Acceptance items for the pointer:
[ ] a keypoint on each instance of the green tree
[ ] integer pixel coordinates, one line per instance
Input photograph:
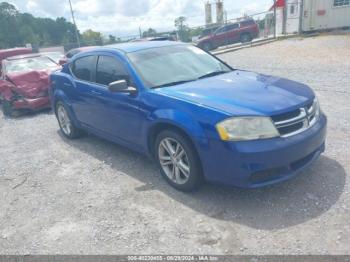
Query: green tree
(149, 33)
(9, 17)
(182, 28)
(91, 37)
(112, 39)
(17, 29)
(28, 36)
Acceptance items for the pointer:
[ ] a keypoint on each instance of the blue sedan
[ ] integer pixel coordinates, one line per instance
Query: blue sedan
(200, 119)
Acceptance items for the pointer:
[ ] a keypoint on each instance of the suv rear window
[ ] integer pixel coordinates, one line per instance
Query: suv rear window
(248, 22)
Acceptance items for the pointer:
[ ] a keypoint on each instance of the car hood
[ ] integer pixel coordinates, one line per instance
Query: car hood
(243, 93)
(30, 84)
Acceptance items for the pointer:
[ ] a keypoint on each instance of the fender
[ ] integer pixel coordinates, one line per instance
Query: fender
(58, 94)
(180, 120)
(5, 90)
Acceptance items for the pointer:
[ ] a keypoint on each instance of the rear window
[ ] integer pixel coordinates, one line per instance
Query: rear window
(84, 67)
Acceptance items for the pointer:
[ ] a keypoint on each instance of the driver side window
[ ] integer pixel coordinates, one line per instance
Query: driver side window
(109, 70)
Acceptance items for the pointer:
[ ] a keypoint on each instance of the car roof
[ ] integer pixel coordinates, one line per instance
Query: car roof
(17, 57)
(139, 46)
(4, 53)
(51, 52)
(83, 48)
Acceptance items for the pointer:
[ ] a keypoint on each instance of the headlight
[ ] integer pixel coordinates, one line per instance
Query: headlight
(316, 105)
(246, 128)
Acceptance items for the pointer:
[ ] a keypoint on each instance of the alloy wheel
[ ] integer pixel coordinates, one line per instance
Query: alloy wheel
(64, 120)
(174, 160)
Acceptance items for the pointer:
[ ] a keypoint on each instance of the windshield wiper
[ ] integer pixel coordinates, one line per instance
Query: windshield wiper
(215, 73)
(174, 83)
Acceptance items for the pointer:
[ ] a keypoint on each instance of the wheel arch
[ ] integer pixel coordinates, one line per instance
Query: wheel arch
(158, 127)
(161, 126)
(60, 96)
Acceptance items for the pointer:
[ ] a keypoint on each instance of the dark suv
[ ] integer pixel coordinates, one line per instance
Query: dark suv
(244, 31)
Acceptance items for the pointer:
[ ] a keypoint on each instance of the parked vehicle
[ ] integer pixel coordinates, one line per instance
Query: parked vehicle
(73, 52)
(5, 53)
(24, 82)
(156, 38)
(198, 117)
(244, 31)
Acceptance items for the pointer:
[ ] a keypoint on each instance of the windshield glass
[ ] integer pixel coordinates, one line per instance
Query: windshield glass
(175, 64)
(29, 64)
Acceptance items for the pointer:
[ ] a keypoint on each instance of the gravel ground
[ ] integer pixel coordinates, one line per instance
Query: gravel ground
(89, 196)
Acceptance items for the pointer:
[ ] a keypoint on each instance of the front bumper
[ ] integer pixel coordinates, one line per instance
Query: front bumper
(32, 104)
(252, 164)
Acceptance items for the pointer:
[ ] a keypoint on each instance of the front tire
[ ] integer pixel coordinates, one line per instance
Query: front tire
(207, 47)
(67, 127)
(178, 161)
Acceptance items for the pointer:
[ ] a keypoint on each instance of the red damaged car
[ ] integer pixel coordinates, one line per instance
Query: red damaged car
(24, 82)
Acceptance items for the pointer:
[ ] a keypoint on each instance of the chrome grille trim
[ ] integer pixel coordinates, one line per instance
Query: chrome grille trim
(306, 118)
(290, 121)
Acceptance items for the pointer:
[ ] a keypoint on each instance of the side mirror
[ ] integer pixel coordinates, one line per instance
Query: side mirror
(121, 86)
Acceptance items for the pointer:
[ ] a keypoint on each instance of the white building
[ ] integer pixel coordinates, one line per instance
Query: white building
(308, 15)
(325, 14)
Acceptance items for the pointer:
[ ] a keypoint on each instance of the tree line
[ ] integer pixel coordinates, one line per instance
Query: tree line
(18, 29)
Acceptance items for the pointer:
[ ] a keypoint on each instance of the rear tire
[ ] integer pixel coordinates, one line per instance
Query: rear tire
(207, 47)
(67, 127)
(7, 108)
(178, 161)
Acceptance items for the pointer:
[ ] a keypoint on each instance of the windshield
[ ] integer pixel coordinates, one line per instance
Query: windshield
(29, 64)
(175, 64)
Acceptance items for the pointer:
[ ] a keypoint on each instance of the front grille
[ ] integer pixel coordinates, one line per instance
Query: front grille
(296, 121)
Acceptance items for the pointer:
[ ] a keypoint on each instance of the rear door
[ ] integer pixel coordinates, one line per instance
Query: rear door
(82, 95)
(220, 36)
(233, 33)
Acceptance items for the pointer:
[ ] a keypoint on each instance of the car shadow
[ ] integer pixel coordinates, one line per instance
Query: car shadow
(287, 204)
(25, 114)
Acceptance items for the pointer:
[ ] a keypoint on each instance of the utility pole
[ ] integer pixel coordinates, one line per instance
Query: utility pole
(181, 29)
(301, 16)
(275, 18)
(75, 25)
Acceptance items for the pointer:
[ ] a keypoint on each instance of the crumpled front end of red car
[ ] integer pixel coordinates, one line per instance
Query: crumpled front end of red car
(26, 90)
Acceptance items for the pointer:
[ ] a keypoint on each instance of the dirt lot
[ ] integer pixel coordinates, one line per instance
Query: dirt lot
(92, 197)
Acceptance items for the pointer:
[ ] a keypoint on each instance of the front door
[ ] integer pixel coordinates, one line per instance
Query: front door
(119, 114)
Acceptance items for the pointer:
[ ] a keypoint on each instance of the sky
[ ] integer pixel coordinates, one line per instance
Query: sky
(124, 17)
